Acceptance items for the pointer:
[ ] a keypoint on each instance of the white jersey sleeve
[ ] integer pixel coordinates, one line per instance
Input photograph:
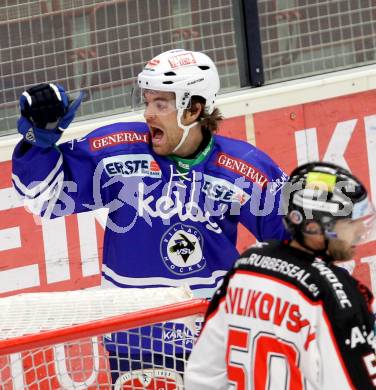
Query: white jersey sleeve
(206, 368)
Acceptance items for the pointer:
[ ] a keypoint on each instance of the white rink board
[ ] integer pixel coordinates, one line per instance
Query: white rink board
(245, 101)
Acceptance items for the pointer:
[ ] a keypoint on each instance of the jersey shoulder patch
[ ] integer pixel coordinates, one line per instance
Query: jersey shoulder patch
(119, 135)
(237, 158)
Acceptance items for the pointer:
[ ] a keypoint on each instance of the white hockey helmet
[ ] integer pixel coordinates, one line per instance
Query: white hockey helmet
(185, 73)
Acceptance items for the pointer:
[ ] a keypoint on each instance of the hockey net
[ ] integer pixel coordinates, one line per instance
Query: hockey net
(98, 339)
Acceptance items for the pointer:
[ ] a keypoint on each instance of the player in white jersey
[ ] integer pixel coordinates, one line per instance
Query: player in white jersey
(286, 317)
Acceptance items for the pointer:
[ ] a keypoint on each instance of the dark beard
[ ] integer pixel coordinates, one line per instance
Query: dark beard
(339, 250)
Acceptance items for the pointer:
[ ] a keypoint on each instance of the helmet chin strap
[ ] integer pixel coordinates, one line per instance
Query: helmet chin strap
(185, 128)
(322, 253)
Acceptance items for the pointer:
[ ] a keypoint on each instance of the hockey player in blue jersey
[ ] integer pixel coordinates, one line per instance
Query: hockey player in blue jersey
(175, 190)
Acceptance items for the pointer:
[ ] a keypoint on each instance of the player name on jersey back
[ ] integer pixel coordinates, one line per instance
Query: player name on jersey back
(283, 267)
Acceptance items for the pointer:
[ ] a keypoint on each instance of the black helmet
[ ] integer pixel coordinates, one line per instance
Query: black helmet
(324, 192)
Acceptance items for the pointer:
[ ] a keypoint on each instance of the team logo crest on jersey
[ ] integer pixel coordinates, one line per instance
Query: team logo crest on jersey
(182, 249)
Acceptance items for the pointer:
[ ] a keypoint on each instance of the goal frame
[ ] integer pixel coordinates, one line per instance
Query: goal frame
(121, 322)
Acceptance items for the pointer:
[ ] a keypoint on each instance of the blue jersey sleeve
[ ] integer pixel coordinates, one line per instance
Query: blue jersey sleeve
(257, 181)
(263, 214)
(68, 178)
(263, 219)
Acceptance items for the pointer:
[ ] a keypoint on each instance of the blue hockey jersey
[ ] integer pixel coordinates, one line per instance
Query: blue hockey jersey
(165, 226)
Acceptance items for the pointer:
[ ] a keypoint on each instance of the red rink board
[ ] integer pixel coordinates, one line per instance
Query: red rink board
(338, 129)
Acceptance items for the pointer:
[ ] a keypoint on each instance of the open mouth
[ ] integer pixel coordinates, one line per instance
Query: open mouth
(156, 135)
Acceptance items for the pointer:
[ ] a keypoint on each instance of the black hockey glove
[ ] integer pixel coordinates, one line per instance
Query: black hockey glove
(46, 112)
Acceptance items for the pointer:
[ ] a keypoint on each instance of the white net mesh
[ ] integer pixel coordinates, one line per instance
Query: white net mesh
(144, 357)
(32, 313)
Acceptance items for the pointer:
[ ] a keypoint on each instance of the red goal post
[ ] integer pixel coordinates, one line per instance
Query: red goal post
(75, 340)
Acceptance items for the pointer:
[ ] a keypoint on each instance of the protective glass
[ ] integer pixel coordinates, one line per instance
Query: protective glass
(358, 230)
(154, 103)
